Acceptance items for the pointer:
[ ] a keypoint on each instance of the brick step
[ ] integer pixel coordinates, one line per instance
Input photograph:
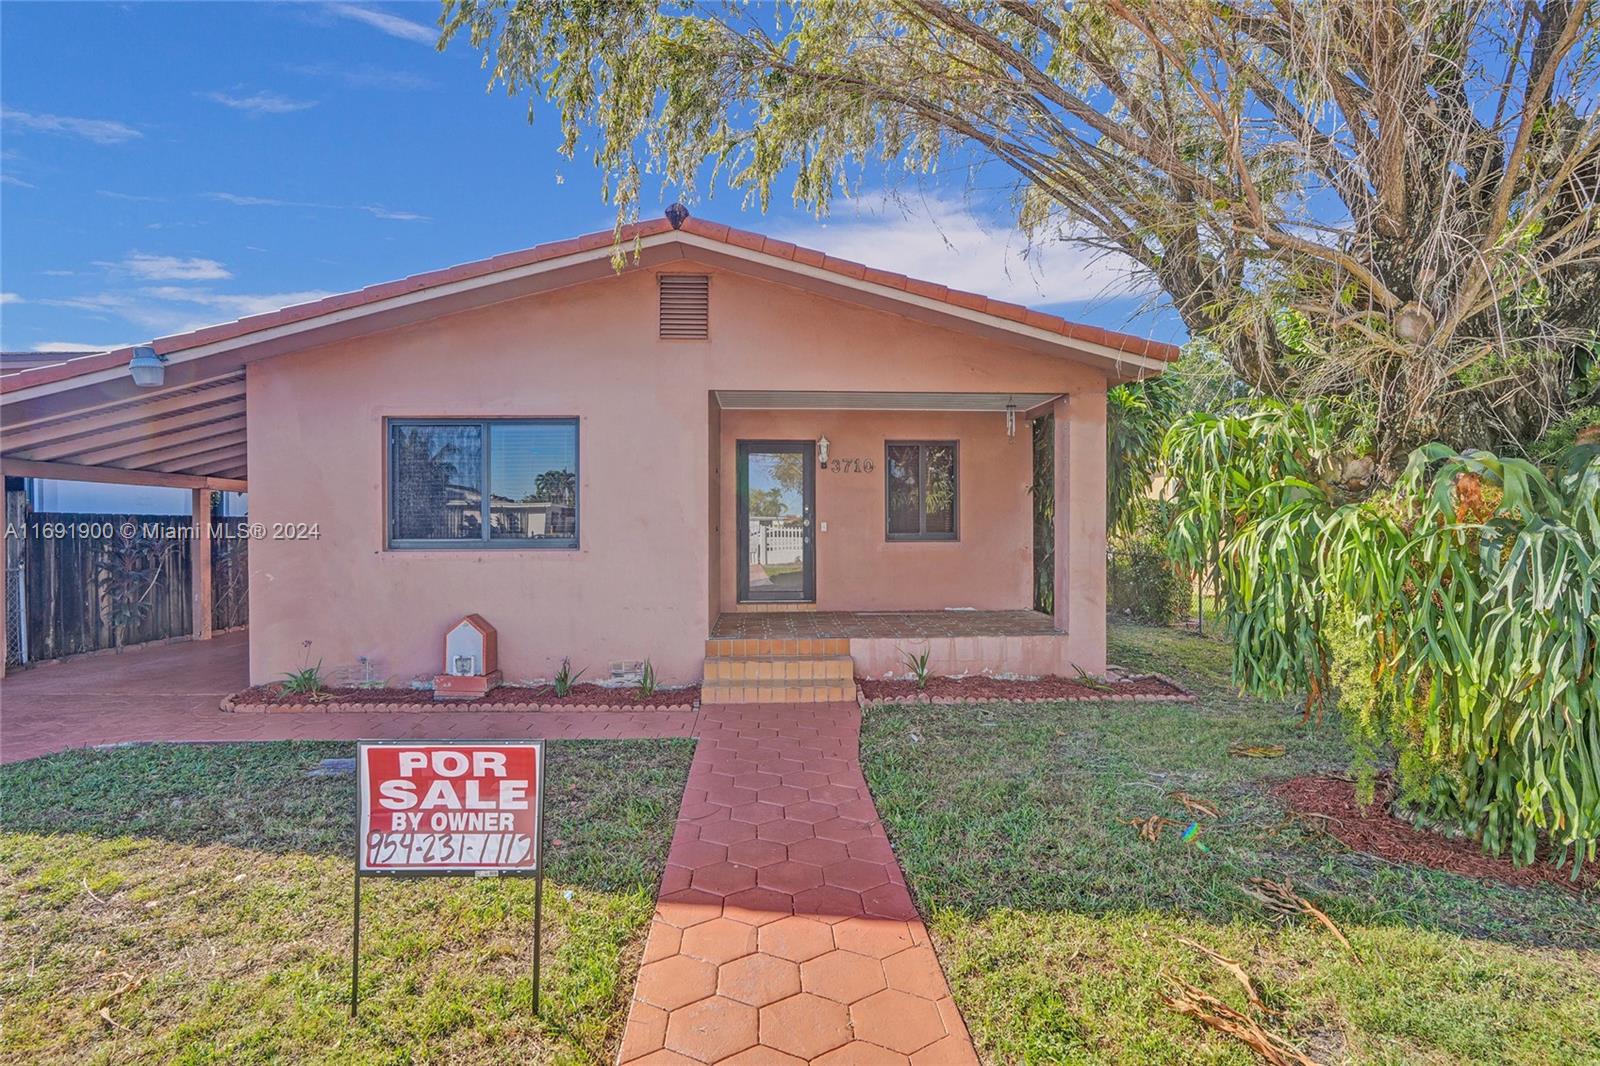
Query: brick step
(779, 668)
(745, 648)
(778, 692)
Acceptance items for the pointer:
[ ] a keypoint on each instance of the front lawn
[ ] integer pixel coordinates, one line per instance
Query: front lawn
(1059, 927)
(190, 903)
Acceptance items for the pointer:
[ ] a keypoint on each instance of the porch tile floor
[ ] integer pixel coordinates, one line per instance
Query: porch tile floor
(784, 932)
(823, 625)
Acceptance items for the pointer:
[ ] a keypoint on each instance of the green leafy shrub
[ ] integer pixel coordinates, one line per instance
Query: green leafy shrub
(1141, 581)
(1454, 616)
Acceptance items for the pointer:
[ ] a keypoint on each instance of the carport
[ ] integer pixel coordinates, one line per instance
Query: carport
(127, 418)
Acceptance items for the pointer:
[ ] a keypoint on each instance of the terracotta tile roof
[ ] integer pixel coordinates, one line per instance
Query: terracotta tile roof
(715, 231)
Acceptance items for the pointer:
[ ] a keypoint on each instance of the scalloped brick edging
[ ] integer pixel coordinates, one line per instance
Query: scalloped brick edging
(1182, 695)
(341, 707)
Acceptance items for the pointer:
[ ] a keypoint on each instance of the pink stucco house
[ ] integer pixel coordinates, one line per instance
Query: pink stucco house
(735, 457)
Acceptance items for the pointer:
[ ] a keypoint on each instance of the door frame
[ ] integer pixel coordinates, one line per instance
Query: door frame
(808, 459)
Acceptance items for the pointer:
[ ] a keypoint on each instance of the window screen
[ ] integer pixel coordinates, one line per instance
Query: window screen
(483, 484)
(920, 490)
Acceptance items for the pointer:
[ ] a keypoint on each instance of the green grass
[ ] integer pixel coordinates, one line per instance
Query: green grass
(1059, 928)
(211, 885)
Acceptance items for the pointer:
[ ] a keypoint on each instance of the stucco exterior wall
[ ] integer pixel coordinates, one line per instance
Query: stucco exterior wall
(655, 466)
(990, 566)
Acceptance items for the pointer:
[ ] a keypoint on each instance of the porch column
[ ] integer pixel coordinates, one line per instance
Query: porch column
(1080, 527)
(200, 564)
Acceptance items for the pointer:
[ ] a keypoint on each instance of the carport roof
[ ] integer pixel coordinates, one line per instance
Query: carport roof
(84, 415)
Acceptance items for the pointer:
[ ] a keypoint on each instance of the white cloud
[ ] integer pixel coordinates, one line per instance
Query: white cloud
(255, 201)
(112, 194)
(11, 298)
(375, 210)
(9, 179)
(98, 130)
(172, 268)
(363, 76)
(166, 309)
(235, 305)
(261, 103)
(69, 347)
(393, 25)
(945, 241)
(394, 216)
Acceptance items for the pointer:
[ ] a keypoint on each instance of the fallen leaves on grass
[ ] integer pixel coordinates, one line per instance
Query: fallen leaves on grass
(129, 983)
(1233, 968)
(1210, 1011)
(1197, 807)
(1280, 898)
(1151, 828)
(1257, 751)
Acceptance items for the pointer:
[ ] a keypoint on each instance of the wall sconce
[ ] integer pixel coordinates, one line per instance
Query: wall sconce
(822, 451)
(147, 369)
(1011, 421)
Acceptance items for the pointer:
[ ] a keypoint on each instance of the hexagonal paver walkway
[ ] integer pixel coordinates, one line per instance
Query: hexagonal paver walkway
(784, 933)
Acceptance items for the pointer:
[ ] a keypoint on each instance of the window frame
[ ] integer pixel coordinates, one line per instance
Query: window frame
(486, 542)
(922, 533)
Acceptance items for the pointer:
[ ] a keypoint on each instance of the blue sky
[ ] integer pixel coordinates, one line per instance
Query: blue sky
(167, 166)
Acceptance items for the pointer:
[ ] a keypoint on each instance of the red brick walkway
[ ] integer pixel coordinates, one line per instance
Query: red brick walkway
(784, 932)
(172, 692)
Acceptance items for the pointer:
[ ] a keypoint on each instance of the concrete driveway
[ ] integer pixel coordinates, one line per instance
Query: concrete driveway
(171, 693)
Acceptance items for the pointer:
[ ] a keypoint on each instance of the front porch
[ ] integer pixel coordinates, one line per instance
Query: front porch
(814, 656)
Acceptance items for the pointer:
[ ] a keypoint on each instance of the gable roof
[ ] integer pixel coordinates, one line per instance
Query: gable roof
(84, 419)
(1145, 355)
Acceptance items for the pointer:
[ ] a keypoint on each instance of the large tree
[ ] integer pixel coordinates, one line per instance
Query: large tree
(1389, 201)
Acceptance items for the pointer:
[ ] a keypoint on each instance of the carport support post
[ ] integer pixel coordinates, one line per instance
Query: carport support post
(200, 565)
(1080, 527)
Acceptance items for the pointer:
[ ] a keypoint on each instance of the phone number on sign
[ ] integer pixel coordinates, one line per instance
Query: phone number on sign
(129, 529)
(444, 849)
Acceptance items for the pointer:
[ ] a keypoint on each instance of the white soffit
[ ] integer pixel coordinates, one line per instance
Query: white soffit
(737, 400)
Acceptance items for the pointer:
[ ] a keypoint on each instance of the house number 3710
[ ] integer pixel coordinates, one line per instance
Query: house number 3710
(850, 466)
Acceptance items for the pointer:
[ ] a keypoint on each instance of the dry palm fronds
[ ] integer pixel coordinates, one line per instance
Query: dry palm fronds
(1280, 898)
(1150, 828)
(1257, 751)
(1233, 968)
(1198, 807)
(1211, 1011)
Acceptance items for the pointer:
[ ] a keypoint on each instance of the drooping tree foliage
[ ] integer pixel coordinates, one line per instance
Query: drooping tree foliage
(1455, 615)
(1387, 200)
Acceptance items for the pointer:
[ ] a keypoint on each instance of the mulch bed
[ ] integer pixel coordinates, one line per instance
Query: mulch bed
(980, 689)
(583, 697)
(1376, 831)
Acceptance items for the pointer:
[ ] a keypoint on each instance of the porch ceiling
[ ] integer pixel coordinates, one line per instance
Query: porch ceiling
(738, 400)
(187, 436)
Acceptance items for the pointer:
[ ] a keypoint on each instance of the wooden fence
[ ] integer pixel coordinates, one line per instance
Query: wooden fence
(96, 581)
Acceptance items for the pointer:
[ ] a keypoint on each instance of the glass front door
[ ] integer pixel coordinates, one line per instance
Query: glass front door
(777, 486)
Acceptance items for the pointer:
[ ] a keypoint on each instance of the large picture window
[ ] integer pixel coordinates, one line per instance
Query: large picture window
(920, 487)
(487, 484)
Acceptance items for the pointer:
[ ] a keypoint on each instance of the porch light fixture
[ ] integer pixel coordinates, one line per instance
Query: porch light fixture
(822, 451)
(147, 369)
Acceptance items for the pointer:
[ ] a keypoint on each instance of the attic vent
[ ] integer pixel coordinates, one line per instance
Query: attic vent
(685, 306)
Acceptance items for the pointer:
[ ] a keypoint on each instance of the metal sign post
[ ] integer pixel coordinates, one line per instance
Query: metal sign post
(437, 808)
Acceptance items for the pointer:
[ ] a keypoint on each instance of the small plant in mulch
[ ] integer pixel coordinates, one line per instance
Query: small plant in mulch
(565, 678)
(918, 665)
(306, 681)
(647, 681)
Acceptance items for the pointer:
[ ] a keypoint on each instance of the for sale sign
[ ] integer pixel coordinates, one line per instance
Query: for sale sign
(436, 807)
